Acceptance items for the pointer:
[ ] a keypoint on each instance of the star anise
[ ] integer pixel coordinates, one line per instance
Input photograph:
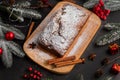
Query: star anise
(32, 45)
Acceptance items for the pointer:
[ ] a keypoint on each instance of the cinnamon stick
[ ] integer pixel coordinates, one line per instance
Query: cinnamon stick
(66, 63)
(30, 29)
(52, 61)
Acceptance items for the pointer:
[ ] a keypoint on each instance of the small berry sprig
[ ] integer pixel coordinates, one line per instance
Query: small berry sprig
(100, 11)
(114, 49)
(33, 74)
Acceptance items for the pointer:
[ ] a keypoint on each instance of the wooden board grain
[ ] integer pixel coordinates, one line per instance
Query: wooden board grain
(40, 55)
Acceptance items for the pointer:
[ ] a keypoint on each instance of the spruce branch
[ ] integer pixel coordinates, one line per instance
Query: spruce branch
(109, 37)
(22, 4)
(111, 61)
(10, 47)
(13, 16)
(6, 27)
(112, 5)
(15, 49)
(112, 26)
(7, 55)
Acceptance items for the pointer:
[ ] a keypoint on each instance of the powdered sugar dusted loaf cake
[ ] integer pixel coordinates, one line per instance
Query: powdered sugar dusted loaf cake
(62, 28)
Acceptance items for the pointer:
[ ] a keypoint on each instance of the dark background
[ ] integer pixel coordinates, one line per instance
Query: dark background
(88, 69)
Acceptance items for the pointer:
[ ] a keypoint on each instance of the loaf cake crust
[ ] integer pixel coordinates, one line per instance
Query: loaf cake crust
(62, 28)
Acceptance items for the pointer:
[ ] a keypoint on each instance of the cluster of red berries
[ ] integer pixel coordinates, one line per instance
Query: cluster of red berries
(114, 48)
(33, 74)
(100, 10)
(45, 1)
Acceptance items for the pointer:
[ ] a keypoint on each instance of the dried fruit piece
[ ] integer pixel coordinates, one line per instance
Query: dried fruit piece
(116, 68)
(114, 48)
(99, 73)
(92, 56)
(105, 61)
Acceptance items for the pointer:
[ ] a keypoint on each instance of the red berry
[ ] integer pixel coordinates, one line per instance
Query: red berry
(1, 51)
(98, 8)
(99, 5)
(35, 71)
(38, 73)
(9, 36)
(101, 13)
(30, 69)
(38, 77)
(101, 2)
(98, 14)
(25, 76)
(108, 12)
(35, 76)
(104, 17)
(101, 16)
(114, 48)
(31, 75)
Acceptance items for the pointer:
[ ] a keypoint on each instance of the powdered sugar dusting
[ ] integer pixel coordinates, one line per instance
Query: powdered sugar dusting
(42, 56)
(62, 29)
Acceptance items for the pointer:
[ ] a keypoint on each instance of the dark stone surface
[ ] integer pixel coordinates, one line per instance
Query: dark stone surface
(88, 69)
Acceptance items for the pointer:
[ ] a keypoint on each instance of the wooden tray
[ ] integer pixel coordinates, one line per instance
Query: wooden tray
(40, 56)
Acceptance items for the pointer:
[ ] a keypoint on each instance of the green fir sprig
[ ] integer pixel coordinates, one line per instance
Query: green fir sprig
(10, 47)
(111, 36)
(112, 5)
